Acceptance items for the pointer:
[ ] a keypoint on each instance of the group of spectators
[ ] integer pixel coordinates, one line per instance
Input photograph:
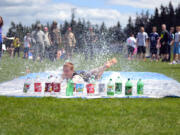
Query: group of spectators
(160, 46)
(43, 43)
(47, 43)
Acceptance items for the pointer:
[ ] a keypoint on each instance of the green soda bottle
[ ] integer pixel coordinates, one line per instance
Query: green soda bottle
(110, 88)
(70, 88)
(140, 87)
(128, 87)
(118, 86)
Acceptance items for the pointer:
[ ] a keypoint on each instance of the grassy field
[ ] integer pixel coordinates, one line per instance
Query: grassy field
(50, 116)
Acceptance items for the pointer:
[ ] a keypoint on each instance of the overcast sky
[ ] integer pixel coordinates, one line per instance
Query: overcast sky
(109, 11)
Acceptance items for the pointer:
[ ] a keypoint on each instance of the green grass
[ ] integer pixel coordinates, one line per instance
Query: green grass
(51, 116)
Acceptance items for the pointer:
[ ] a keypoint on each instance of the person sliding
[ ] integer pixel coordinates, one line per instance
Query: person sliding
(83, 76)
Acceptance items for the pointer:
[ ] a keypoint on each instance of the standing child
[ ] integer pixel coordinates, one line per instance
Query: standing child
(47, 42)
(142, 39)
(131, 44)
(70, 43)
(55, 37)
(164, 41)
(171, 33)
(153, 37)
(27, 45)
(176, 50)
(16, 44)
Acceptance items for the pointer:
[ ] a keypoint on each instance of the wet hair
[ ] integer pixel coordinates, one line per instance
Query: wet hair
(1, 24)
(70, 65)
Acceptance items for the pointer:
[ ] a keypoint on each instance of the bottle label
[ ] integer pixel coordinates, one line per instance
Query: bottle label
(110, 89)
(90, 88)
(56, 87)
(101, 87)
(26, 87)
(48, 87)
(37, 87)
(128, 90)
(118, 87)
(79, 87)
(140, 89)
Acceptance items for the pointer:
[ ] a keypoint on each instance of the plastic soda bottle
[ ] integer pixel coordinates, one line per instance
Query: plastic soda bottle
(91, 86)
(70, 88)
(110, 88)
(27, 85)
(128, 87)
(37, 85)
(101, 87)
(79, 87)
(48, 85)
(118, 86)
(140, 87)
(56, 85)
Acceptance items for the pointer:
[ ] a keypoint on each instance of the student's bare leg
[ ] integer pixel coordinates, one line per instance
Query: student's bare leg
(167, 56)
(144, 56)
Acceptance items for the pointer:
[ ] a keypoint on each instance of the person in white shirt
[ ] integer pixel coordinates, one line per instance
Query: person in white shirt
(142, 43)
(131, 44)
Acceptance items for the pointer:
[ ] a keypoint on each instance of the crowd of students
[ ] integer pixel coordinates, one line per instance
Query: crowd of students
(160, 46)
(47, 43)
(43, 43)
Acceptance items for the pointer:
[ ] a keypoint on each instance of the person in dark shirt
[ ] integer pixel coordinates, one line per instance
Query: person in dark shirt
(153, 37)
(164, 41)
(171, 32)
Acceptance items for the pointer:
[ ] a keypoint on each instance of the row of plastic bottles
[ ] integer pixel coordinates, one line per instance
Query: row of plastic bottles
(53, 85)
(116, 88)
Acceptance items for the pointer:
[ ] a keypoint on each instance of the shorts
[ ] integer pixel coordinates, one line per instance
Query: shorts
(26, 49)
(141, 49)
(130, 50)
(176, 49)
(0, 46)
(69, 49)
(165, 49)
(153, 50)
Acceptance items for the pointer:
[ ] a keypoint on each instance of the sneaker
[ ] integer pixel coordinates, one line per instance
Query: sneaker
(163, 60)
(174, 62)
(178, 62)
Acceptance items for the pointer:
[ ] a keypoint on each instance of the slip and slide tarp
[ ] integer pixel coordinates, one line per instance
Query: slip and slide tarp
(155, 86)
